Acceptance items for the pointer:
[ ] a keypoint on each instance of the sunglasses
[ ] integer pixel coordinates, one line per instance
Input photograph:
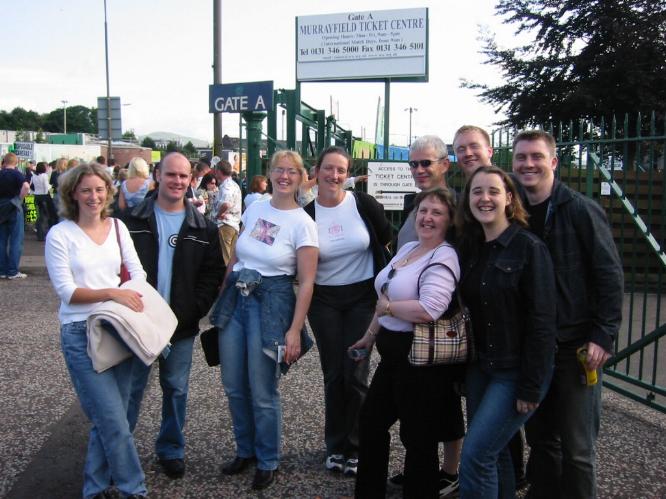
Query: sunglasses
(425, 163)
(384, 288)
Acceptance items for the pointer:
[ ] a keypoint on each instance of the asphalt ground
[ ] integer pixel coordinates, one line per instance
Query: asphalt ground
(44, 433)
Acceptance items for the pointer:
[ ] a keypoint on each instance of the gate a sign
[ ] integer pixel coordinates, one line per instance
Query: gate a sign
(254, 96)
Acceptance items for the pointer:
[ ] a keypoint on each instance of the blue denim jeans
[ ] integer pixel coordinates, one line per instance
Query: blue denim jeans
(11, 245)
(486, 470)
(112, 458)
(250, 378)
(563, 432)
(174, 380)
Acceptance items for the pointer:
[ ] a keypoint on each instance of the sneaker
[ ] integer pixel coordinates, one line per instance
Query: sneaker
(18, 275)
(396, 481)
(448, 485)
(335, 462)
(3, 276)
(351, 466)
(173, 468)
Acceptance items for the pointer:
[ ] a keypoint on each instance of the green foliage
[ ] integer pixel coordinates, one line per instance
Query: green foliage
(189, 150)
(172, 146)
(130, 136)
(148, 142)
(587, 58)
(80, 119)
(39, 138)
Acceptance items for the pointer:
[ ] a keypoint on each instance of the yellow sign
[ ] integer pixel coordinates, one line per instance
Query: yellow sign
(155, 156)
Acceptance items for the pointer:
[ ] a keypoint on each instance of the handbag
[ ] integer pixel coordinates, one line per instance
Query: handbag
(124, 273)
(210, 346)
(447, 340)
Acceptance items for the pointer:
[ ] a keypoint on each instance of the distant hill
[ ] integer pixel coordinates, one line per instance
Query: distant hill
(175, 137)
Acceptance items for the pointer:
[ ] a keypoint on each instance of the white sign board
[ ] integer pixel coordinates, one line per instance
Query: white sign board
(389, 182)
(24, 150)
(362, 45)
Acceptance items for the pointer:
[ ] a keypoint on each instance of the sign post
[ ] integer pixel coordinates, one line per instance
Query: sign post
(253, 100)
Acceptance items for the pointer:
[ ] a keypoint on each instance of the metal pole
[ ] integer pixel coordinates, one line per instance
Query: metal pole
(64, 115)
(108, 92)
(240, 143)
(217, 73)
(410, 109)
(387, 113)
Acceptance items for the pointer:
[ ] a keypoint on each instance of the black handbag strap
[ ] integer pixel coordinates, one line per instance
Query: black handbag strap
(455, 282)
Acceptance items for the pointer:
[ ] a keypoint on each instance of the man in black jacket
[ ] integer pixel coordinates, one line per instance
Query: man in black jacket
(563, 431)
(180, 251)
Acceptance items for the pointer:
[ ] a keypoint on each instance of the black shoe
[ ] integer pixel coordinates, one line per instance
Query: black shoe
(137, 496)
(103, 495)
(237, 465)
(173, 468)
(263, 478)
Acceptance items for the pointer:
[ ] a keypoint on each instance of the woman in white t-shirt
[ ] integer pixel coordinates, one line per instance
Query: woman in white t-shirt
(353, 233)
(83, 257)
(260, 320)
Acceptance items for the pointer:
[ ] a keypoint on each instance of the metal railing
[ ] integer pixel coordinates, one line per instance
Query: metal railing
(621, 165)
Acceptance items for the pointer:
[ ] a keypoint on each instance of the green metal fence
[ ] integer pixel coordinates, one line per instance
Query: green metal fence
(621, 165)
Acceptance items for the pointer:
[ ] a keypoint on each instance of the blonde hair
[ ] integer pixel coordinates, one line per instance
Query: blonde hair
(61, 165)
(70, 180)
(138, 168)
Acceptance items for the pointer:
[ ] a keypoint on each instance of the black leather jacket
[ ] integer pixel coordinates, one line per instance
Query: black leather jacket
(198, 267)
(588, 270)
(517, 300)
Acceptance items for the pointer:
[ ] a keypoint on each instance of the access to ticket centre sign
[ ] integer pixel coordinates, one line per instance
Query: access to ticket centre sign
(363, 45)
(388, 182)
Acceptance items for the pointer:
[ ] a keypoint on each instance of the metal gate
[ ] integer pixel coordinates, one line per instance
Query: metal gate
(621, 166)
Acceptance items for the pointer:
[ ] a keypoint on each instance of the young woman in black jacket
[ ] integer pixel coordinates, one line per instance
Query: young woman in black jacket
(509, 286)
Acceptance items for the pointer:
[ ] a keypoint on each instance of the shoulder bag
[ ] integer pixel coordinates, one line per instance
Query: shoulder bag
(448, 340)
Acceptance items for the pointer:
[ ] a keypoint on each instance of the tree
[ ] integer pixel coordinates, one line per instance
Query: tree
(172, 146)
(80, 119)
(189, 150)
(130, 136)
(39, 138)
(20, 119)
(148, 142)
(587, 58)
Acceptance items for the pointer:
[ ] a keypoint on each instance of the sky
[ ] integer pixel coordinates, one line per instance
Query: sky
(161, 54)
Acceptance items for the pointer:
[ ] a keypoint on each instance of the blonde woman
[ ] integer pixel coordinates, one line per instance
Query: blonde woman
(137, 185)
(260, 320)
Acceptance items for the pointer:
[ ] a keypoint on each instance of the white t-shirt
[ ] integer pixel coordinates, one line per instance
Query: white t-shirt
(271, 237)
(345, 256)
(254, 196)
(41, 183)
(76, 261)
(229, 192)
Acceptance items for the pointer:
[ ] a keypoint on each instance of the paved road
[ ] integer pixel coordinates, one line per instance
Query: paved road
(43, 436)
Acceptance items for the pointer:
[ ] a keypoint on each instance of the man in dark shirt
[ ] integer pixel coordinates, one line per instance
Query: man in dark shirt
(563, 430)
(13, 188)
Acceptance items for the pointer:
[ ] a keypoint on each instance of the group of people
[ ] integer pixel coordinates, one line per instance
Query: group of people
(532, 260)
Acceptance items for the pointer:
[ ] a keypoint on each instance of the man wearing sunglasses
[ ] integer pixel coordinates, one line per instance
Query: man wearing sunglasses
(428, 163)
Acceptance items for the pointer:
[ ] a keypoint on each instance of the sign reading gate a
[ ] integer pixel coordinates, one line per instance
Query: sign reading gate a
(241, 97)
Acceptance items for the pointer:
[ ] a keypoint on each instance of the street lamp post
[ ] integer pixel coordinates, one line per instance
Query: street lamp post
(108, 92)
(411, 110)
(64, 115)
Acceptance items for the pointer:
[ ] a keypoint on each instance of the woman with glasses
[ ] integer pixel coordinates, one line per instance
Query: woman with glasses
(508, 284)
(260, 319)
(408, 294)
(353, 232)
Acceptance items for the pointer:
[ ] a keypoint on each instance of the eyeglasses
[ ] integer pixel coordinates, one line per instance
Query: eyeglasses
(425, 163)
(290, 171)
(384, 288)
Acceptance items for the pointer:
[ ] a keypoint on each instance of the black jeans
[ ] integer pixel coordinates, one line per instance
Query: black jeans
(46, 215)
(412, 395)
(339, 316)
(562, 434)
